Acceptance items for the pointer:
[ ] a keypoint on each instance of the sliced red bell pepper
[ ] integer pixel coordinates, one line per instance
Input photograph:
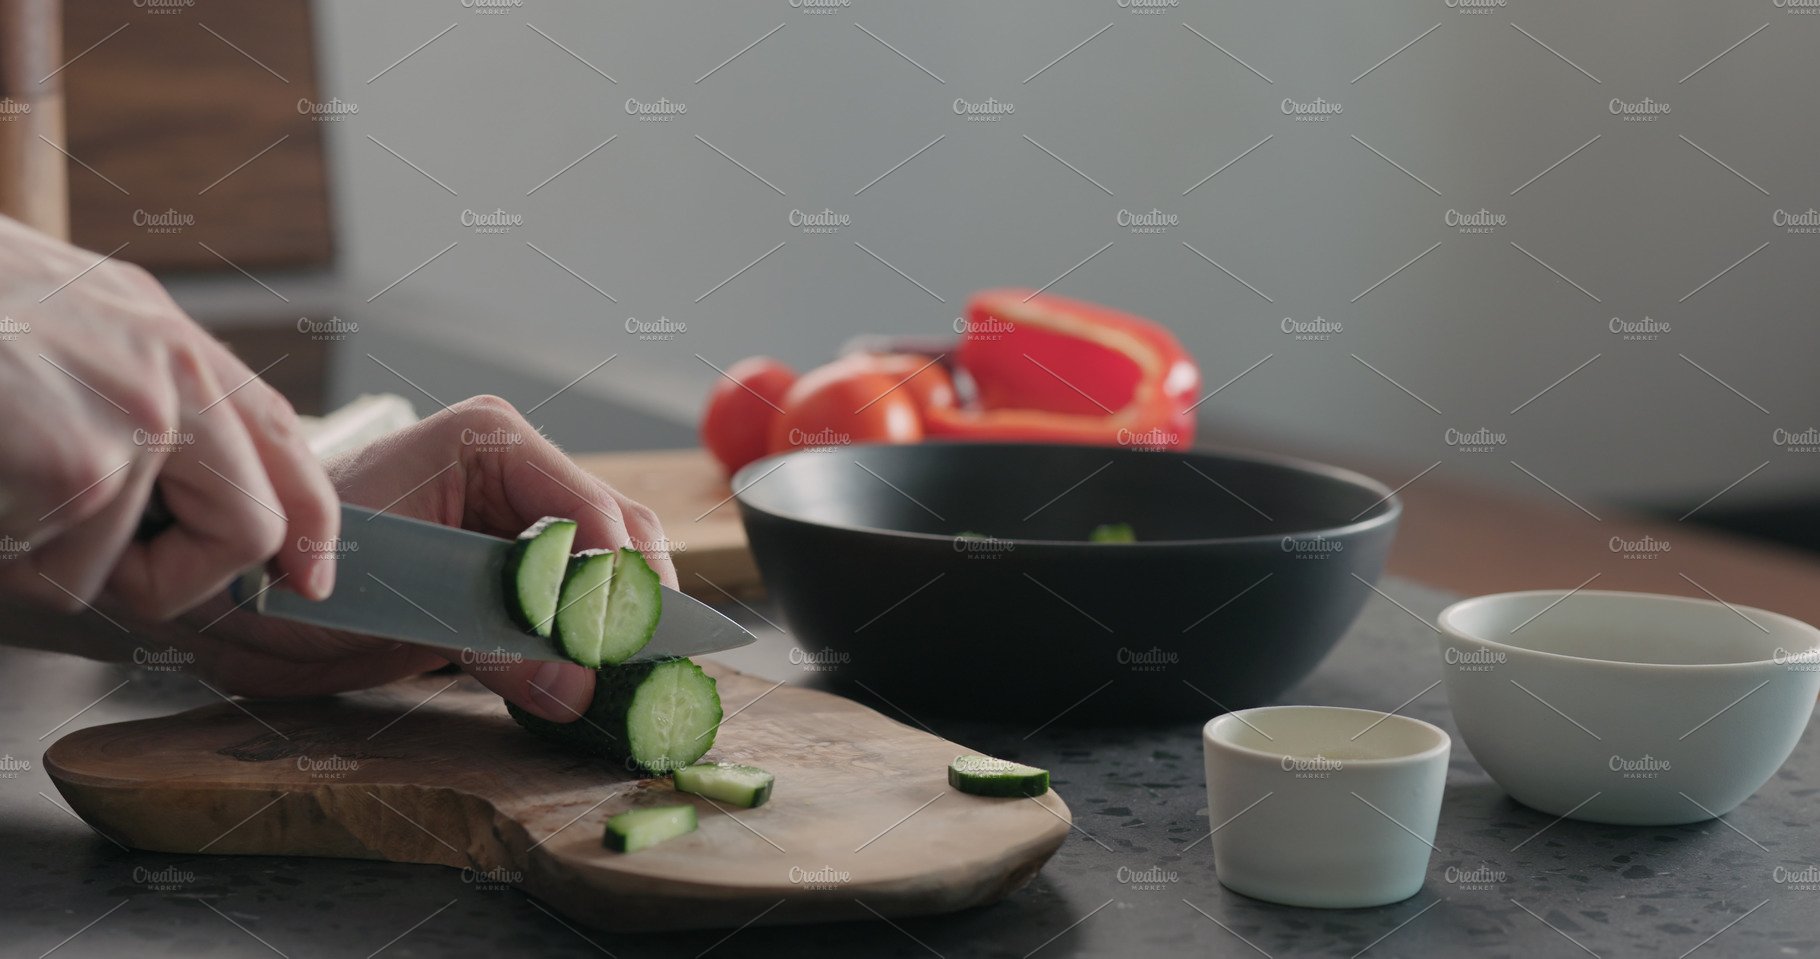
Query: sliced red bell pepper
(1049, 369)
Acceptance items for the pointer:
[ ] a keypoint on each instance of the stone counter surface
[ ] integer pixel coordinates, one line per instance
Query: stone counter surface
(1507, 881)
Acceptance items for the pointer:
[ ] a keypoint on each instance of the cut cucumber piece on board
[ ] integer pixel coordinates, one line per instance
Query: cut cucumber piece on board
(731, 783)
(656, 717)
(581, 616)
(986, 776)
(1112, 533)
(535, 570)
(637, 829)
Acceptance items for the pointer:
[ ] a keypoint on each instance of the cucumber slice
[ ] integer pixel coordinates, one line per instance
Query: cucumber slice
(635, 602)
(655, 716)
(1112, 533)
(534, 572)
(986, 776)
(581, 616)
(610, 605)
(731, 783)
(636, 829)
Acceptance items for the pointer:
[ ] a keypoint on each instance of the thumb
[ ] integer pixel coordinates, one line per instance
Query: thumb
(559, 692)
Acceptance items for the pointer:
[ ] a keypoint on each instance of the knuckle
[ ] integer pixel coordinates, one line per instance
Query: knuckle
(41, 590)
(148, 604)
(266, 536)
(488, 409)
(151, 409)
(612, 512)
(260, 538)
(272, 415)
(647, 517)
(131, 274)
(74, 477)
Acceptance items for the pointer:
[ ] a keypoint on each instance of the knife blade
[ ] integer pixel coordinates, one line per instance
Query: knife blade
(439, 586)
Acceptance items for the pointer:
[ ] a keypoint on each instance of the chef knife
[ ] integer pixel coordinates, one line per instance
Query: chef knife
(439, 586)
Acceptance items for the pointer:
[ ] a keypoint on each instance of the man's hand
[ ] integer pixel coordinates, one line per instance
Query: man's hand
(477, 465)
(113, 391)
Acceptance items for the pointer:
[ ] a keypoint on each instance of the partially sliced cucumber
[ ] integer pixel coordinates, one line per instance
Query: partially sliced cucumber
(655, 716)
(534, 572)
(731, 783)
(636, 602)
(637, 829)
(581, 616)
(986, 776)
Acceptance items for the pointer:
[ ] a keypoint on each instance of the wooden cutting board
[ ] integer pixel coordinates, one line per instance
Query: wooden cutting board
(862, 822)
(686, 488)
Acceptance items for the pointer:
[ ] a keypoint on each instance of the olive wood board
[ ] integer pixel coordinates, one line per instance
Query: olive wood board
(861, 824)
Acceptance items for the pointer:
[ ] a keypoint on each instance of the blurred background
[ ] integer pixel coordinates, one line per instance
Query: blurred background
(1585, 230)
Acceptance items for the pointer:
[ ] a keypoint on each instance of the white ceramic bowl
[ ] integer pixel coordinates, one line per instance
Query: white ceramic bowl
(1321, 805)
(1627, 708)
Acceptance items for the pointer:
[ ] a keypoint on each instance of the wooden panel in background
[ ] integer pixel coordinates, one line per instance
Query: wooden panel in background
(164, 106)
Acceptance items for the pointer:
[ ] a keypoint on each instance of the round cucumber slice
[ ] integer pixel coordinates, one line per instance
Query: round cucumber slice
(581, 617)
(534, 572)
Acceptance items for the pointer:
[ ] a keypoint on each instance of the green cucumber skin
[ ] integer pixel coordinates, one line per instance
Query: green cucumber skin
(999, 786)
(700, 780)
(1112, 533)
(603, 730)
(618, 835)
(514, 606)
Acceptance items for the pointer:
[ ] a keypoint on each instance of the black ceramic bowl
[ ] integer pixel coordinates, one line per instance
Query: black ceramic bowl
(1246, 571)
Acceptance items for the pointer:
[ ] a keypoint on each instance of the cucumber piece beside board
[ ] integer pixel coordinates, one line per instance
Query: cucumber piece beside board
(535, 570)
(731, 783)
(637, 829)
(654, 716)
(986, 776)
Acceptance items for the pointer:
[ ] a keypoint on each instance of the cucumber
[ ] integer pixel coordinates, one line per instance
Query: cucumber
(581, 616)
(534, 572)
(655, 716)
(636, 829)
(610, 605)
(1112, 533)
(731, 783)
(635, 603)
(986, 776)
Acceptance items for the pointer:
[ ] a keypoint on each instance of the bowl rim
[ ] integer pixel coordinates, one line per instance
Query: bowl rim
(1444, 747)
(1387, 510)
(1449, 629)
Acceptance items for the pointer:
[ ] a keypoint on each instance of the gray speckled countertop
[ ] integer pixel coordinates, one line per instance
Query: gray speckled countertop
(1120, 886)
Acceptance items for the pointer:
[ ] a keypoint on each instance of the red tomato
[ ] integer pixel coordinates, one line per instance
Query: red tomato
(927, 381)
(855, 407)
(736, 425)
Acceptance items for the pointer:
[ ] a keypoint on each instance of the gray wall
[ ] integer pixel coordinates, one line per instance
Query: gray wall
(1475, 109)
